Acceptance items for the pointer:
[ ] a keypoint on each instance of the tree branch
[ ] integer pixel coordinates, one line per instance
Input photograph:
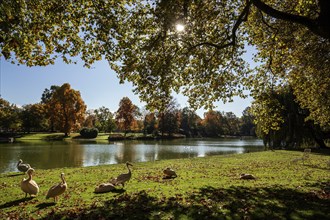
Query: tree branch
(241, 18)
(283, 15)
(315, 25)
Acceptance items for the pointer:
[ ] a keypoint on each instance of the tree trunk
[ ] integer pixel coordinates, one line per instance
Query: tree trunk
(319, 140)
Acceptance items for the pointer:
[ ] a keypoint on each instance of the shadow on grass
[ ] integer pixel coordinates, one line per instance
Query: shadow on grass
(15, 202)
(210, 203)
(319, 151)
(15, 174)
(52, 137)
(45, 205)
(118, 191)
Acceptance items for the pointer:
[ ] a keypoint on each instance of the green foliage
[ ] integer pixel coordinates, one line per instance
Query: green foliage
(268, 112)
(247, 120)
(68, 29)
(104, 119)
(34, 118)
(292, 126)
(9, 116)
(293, 54)
(190, 122)
(149, 123)
(168, 117)
(204, 61)
(89, 132)
(282, 190)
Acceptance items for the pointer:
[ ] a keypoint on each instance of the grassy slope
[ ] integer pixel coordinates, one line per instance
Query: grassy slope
(58, 136)
(205, 188)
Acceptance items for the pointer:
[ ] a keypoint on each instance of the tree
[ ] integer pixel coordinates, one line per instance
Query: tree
(291, 128)
(9, 116)
(105, 119)
(247, 127)
(230, 124)
(149, 123)
(69, 109)
(189, 122)
(212, 123)
(34, 117)
(169, 118)
(90, 119)
(204, 61)
(50, 111)
(48, 93)
(125, 114)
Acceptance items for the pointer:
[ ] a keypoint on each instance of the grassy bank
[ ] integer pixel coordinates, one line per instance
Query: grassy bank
(58, 137)
(206, 188)
(100, 137)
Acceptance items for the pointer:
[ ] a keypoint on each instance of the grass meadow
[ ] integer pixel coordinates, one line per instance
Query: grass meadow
(206, 188)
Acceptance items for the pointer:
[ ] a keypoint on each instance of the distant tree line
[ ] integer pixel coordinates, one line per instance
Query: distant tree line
(274, 116)
(62, 109)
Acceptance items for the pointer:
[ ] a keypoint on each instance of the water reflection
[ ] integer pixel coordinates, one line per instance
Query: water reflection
(47, 155)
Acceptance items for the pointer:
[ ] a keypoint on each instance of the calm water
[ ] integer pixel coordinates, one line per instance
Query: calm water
(47, 155)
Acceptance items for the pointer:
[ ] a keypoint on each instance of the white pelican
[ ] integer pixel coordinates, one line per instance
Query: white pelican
(104, 187)
(57, 189)
(23, 167)
(122, 178)
(29, 186)
(169, 173)
(246, 176)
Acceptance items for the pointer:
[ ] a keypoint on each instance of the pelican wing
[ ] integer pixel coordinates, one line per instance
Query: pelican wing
(104, 187)
(113, 181)
(23, 167)
(122, 178)
(169, 172)
(56, 190)
(30, 187)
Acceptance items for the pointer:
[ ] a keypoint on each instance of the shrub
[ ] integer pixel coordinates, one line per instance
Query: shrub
(89, 132)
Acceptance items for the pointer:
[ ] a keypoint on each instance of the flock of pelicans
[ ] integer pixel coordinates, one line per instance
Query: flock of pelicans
(29, 186)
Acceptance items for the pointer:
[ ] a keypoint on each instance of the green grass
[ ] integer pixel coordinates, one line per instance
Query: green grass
(60, 136)
(57, 136)
(206, 188)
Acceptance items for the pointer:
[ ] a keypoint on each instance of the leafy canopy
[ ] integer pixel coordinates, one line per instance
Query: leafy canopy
(203, 61)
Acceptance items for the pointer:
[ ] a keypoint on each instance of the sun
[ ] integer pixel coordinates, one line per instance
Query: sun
(179, 27)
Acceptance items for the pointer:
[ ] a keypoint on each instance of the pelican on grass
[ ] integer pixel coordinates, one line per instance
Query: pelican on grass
(28, 185)
(23, 167)
(169, 173)
(122, 178)
(246, 176)
(104, 187)
(57, 189)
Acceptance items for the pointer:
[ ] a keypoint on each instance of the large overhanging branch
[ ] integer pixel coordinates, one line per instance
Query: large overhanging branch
(241, 18)
(319, 26)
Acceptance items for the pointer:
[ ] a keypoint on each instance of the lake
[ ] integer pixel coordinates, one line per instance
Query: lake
(48, 155)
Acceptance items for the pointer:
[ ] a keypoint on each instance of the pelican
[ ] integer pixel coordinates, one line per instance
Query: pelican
(28, 185)
(246, 176)
(23, 167)
(104, 187)
(122, 178)
(57, 189)
(169, 173)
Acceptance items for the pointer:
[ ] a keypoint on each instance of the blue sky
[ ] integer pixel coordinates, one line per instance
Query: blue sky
(99, 86)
